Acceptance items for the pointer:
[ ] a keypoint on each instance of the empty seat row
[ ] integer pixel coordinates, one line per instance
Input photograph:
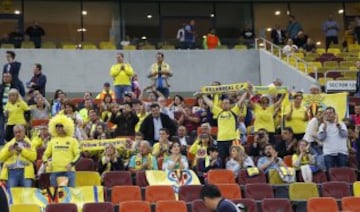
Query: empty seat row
(329, 204)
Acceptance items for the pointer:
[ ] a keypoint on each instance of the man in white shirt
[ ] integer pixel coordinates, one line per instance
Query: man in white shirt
(180, 36)
(334, 134)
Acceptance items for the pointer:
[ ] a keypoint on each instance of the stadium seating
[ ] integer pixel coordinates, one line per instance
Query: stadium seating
(199, 206)
(48, 45)
(129, 47)
(189, 193)
(156, 192)
(7, 46)
(350, 204)
(327, 204)
(170, 205)
(230, 191)
(116, 178)
(61, 207)
(258, 191)
(278, 204)
(25, 207)
(218, 176)
(138, 206)
(86, 178)
(335, 189)
(303, 191)
(27, 45)
(85, 164)
(99, 206)
(243, 178)
(140, 179)
(344, 174)
(125, 193)
(356, 189)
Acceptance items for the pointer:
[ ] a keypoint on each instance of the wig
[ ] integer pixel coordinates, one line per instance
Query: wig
(68, 123)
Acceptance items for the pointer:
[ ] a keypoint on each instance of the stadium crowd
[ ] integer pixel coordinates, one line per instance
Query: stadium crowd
(235, 130)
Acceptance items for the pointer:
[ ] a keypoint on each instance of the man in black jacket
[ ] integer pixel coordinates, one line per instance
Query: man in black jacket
(154, 122)
(38, 81)
(13, 67)
(6, 85)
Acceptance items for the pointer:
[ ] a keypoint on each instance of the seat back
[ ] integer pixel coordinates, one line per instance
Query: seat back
(244, 178)
(258, 191)
(303, 191)
(125, 193)
(335, 189)
(159, 192)
(249, 203)
(351, 203)
(199, 206)
(116, 178)
(25, 207)
(327, 204)
(170, 205)
(356, 189)
(189, 193)
(140, 179)
(98, 206)
(344, 174)
(230, 191)
(138, 206)
(85, 164)
(86, 178)
(278, 204)
(61, 207)
(219, 176)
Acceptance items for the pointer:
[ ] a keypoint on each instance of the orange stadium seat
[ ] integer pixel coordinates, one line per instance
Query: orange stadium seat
(220, 176)
(39, 122)
(170, 205)
(327, 204)
(138, 206)
(351, 204)
(157, 192)
(125, 193)
(230, 191)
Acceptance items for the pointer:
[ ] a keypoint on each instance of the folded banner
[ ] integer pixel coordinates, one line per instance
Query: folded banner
(96, 145)
(174, 178)
(229, 88)
(78, 195)
(269, 90)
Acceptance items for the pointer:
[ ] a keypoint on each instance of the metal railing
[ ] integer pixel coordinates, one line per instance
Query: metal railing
(277, 51)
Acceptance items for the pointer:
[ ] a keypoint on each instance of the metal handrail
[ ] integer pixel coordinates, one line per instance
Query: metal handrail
(264, 43)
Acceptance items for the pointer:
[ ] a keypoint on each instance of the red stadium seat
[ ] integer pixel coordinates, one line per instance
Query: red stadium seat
(278, 204)
(327, 204)
(117, 178)
(189, 193)
(138, 206)
(125, 193)
(230, 191)
(343, 174)
(258, 191)
(219, 176)
(39, 122)
(61, 207)
(140, 179)
(243, 177)
(99, 206)
(170, 205)
(249, 203)
(319, 177)
(199, 206)
(335, 189)
(157, 192)
(85, 164)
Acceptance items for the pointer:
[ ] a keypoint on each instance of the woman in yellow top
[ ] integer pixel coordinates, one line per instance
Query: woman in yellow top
(141, 113)
(16, 111)
(199, 148)
(304, 161)
(296, 117)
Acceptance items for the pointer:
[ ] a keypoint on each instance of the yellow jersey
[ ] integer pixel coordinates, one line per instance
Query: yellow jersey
(264, 118)
(297, 121)
(122, 73)
(16, 112)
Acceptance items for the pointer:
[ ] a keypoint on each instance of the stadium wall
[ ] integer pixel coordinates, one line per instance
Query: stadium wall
(77, 71)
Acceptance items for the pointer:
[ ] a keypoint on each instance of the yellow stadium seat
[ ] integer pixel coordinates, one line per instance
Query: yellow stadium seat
(298, 54)
(149, 47)
(129, 47)
(350, 74)
(274, 177)
(303, 191)
(89, 46)
(316, 64)
(7, 46)
(27, 45)
(309, 58)
(335, 51)
(353, 47)
(353, 68)
(312, 54)
(320, 51)
(48, 45)
(356, 189)
(240, 47)
(321, 81)
(25, 207)
(351, 58)
(331, 64)
(346, 64)
(107, 45)
(87, 178)
(168, 47)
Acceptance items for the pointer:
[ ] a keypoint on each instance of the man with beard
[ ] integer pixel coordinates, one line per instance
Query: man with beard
(270, 160)
(125, 122)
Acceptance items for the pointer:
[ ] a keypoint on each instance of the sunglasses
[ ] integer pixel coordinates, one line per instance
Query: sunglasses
(59, 126)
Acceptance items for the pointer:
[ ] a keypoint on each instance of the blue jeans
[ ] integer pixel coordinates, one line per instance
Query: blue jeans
(70, 175)
(16, 179)
(120, 90)
(164, 91)
(224, 149)
(339, 160)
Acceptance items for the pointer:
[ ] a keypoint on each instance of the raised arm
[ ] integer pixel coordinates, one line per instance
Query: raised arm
(242, 99)
(208, 101)
(278, 103)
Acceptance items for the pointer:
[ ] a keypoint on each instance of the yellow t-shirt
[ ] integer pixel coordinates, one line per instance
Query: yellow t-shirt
(304, 161)
(156, 150)
(16, 112)
(297, 122)
(122, 73)
(227, 123)
(264, 118)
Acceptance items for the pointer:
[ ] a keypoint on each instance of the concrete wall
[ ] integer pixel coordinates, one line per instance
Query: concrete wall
(86, 70)
(272, 67)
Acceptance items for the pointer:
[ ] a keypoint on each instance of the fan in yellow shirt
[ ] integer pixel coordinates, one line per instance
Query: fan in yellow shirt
(17, 112)
(227, 120)
(296, 117)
